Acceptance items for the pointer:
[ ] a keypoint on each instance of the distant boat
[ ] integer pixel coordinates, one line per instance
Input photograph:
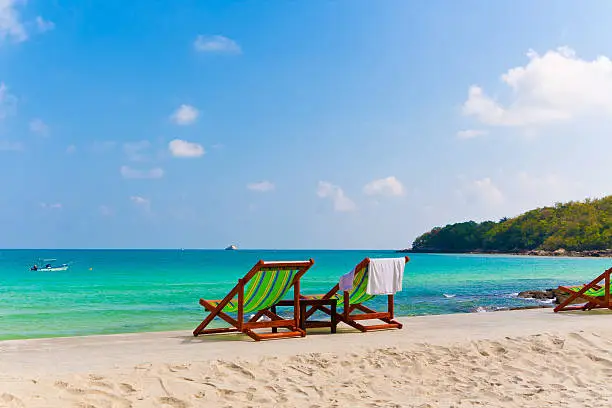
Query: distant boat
(45, 265)
(231, 248)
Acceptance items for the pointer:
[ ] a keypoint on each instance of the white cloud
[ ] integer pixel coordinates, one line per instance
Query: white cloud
(52, 206)
(71, 149)
(8, 101)
(141, 202)
(44, 25)
(389, 186)
(130, 173)
(185, 115)
(262, 186)
(8, 146)
(483, 191)
(216, 43)
(471, 133)
(551, 88)
(134, 150)
(40, 127)
(10, 21)
(182, 148)
(341, 202)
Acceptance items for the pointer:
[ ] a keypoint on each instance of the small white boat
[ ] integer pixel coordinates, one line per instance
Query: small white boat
(47, 266)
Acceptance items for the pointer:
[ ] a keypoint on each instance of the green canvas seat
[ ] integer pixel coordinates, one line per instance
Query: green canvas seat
(594, 295)
(352, 303)
(265, 289)
(260, 289)
(356, 295)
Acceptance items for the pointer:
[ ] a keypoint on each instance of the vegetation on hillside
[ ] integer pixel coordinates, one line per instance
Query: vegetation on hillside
(574, 226)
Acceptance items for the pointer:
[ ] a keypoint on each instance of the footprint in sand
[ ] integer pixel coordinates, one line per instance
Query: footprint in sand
(239, 369)
(173, 402)
(127, 388)
(10, 398)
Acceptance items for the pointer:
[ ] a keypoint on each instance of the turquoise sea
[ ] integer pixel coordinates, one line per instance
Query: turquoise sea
(122, 291)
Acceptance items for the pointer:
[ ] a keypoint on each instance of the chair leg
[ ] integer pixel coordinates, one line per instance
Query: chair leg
(204, 323)
(334, 319)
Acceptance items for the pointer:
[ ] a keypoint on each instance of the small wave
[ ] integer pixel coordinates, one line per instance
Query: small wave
(448, 295)
(480, 309)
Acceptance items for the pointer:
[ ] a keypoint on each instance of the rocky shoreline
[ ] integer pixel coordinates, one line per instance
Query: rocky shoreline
(594, 253)
(549, 294)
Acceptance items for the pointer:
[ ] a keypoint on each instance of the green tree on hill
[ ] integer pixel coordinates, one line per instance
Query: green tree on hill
(576, 226)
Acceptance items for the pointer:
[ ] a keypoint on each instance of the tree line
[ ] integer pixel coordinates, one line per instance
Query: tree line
(576, 226)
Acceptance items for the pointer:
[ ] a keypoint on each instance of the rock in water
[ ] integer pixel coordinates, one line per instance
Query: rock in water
(537, 294)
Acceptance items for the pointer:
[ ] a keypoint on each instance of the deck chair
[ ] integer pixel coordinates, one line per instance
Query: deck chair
(593, 294)
(261, 288)
(351, 302)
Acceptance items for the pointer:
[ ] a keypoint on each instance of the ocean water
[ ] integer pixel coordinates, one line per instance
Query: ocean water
(123, 291)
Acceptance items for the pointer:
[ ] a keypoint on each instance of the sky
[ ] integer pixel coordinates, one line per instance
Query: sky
(305, 124)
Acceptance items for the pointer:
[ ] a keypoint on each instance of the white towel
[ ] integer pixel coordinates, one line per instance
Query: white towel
(385, 276)
(346, 280)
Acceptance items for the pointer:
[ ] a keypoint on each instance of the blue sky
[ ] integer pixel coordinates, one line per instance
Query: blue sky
(345, 124)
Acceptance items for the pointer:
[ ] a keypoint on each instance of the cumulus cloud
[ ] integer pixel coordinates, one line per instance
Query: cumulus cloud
(262, 186)
(551, 88)
(130, 173)
(185, 115)
(11, 25)
(183, 148)
(482, 191)
(8, 101)
(389, 186)
(141, 202)
(39, 127)
(471, 133)
(216, 43)
(51, 206)
(334, 193)
(44, 25)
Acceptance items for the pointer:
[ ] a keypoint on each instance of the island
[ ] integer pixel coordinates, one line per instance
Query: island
(576, 228)
(231, 248)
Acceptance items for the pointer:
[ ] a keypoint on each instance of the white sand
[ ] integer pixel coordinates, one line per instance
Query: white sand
(530, 358)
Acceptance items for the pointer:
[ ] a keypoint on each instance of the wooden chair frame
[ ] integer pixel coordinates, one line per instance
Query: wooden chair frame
(351, 318)
(592, 302)
(247, 327)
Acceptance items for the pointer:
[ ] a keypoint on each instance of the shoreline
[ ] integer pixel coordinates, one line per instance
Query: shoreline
(559, 253)
(539, 305)
(527, 358)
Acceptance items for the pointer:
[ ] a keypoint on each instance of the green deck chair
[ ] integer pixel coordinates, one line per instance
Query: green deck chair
(261, 288)
(593, 294)
(351, 302)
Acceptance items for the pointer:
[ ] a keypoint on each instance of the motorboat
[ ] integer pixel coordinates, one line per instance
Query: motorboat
(46, 265)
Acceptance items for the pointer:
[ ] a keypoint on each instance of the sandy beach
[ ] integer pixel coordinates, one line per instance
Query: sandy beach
(529, 358)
